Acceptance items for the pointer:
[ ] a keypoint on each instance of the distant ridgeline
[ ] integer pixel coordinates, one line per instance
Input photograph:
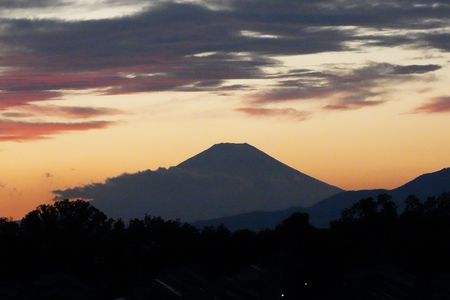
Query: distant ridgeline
(329, 209)
(236, 185)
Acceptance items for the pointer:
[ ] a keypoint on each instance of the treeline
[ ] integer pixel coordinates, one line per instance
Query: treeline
(71, 250)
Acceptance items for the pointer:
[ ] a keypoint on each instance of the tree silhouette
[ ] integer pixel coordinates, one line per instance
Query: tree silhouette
(71, 250)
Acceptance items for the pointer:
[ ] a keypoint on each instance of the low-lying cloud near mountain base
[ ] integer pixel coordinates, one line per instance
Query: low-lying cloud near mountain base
(224, 180)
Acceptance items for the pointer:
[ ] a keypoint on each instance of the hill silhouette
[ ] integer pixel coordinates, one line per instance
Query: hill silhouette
(426, 184)
(329, 209)
(223, 180)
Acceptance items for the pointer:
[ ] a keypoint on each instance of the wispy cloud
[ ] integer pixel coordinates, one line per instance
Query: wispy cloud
(9, 98)
(435, 105)
(15, 131)
(414, 69)
(33, 3)
(349, 105)
(70, 112)
(16, 114)
(346, 89)
(281, 113)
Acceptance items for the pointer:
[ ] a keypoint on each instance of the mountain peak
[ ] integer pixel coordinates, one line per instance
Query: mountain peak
(228, 148)
(232, 147)
(235, 158)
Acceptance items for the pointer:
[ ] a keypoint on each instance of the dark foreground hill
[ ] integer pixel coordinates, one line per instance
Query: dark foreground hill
(226, 179)
(327, 210)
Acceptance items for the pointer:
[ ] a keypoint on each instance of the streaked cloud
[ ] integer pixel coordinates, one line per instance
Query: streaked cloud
(17, 131)
(192, 46)
(33, 3)
(16, 114)
(349, 105)
(53, 55)
(349, 89)
(414, 69)
(9, 98)
(70, 112)
(435, 105)
(280, 113)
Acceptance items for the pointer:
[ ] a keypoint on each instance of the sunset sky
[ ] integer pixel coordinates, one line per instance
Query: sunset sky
(353, 92)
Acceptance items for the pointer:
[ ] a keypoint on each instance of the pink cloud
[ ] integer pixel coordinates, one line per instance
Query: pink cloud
(14, 131)
(12, 99)
(435, 105)
(71, 112)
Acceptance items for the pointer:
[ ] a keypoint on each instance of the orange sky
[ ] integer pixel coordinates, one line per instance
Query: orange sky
(399, 131)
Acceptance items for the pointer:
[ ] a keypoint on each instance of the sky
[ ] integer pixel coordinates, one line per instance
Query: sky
(352, 92)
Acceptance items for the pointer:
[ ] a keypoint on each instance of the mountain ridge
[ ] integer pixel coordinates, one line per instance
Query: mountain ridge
(329, 209)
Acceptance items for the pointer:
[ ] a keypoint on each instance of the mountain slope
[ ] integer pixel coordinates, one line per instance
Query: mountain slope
(320, 214)
(330, 209)
(223, 180)
(426, 185)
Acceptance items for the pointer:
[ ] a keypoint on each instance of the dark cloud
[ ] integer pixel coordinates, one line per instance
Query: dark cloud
(439, 40)
(358, 88)
(435, 105)
(369, 13)
(415, 69)
(174, 46)
(15, 131)
(283, 113)
(32, 3)
(52, 55)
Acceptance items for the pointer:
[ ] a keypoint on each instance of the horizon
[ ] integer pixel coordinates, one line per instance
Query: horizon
(54, 197)
(353, 93)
